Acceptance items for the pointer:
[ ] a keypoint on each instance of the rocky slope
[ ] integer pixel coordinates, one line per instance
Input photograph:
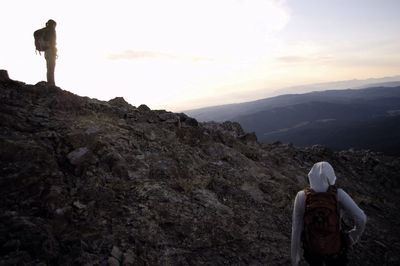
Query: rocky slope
(88, 182)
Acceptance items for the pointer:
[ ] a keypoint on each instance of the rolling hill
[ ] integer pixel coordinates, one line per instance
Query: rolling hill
(340, 119)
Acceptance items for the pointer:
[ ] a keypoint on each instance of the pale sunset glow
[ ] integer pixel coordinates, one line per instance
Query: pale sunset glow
(184, 54)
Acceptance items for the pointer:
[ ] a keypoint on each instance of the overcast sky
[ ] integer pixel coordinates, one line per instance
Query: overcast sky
(183, 54)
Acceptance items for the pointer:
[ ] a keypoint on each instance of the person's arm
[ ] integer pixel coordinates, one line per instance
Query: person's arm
(351, 208)
(297, 227)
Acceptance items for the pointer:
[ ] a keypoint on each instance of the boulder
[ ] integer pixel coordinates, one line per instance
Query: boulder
(78, 156)
(4, 76)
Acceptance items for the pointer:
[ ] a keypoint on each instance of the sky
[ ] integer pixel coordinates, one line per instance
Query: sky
(184, 54)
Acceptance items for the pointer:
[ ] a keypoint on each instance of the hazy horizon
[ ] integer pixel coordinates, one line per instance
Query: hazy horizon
(311, 87)
(180, 55)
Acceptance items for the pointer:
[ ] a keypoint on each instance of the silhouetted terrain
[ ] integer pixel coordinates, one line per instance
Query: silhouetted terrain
(89, 182)
(340, 119)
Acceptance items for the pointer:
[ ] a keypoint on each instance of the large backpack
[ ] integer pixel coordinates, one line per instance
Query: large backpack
(41, 43)
(321, 235)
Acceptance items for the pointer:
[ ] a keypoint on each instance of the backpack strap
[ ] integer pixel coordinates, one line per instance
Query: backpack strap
(332, 189)
(308, 191)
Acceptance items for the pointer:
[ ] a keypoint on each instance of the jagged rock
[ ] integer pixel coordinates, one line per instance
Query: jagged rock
(119, 102)
(128, 258)
(79, 205)
(113, 261)
(41, 84)
(116, 253)
(191, 122)
(113, 162)
(250, 137)
(209, 200)
(4, 76)
(78, 156)
(87, 182)
(164, 169)
(170, 118)
(144, 108)
(188, 121)
(120, 170)
(233, 128)
(150, 135)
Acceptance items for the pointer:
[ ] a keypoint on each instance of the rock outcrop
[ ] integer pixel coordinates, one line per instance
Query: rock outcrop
(88, 182)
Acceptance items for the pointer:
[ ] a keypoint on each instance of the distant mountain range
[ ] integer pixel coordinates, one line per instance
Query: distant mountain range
(392, 81)
(227, 112)
(367, 118)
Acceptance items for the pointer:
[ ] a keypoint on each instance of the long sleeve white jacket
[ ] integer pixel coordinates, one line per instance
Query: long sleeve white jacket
(320, 177)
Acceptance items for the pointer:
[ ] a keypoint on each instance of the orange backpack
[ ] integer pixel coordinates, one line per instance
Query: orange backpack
(321, 235)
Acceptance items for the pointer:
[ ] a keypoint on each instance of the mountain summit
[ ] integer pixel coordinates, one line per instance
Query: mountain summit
(89, 182)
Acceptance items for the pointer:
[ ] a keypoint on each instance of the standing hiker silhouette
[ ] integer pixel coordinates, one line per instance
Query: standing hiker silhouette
(45, 40)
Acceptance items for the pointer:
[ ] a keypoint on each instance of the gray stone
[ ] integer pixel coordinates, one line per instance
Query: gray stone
(150, 135)
(79, 205)
(144, 108)
(116, 253)
(128, 258)
(119, 101)
(76, 156)
(4, 75)
(113, 261)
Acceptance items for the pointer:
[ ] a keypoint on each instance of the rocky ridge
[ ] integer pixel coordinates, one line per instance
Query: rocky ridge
(89, 182)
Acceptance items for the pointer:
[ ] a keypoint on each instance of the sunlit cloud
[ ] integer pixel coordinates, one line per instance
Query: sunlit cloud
(211, 29)
(292, 59)
(134, 55)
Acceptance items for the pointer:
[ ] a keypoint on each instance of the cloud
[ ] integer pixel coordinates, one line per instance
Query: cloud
(292, 59)
(207, 28)
(303, 52)
(134, 55)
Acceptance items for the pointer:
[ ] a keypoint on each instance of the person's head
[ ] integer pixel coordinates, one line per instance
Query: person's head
(51, 23)
(321, 176)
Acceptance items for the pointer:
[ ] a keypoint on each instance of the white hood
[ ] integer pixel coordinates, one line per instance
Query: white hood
(321, 176)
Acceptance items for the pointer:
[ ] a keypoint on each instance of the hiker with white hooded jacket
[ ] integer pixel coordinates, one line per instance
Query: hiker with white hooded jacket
(316, 224)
